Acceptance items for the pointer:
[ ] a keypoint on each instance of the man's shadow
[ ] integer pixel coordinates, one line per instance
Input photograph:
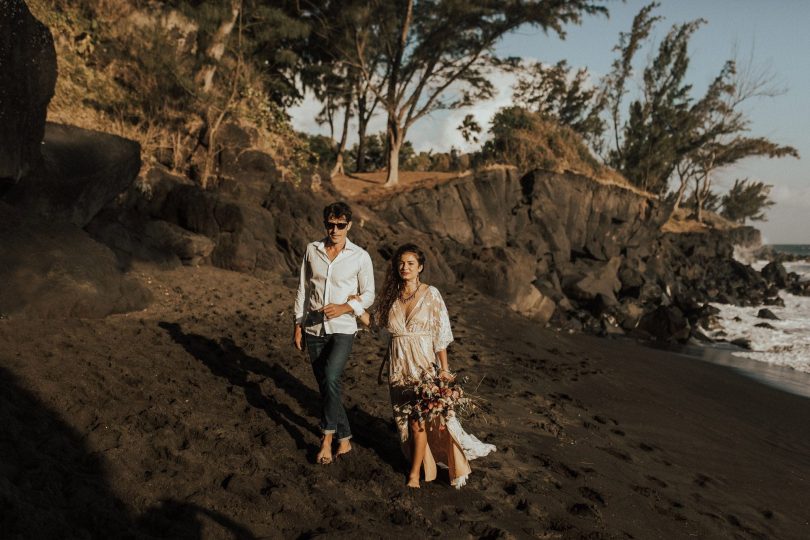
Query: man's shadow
(53, 486)
(227, 360)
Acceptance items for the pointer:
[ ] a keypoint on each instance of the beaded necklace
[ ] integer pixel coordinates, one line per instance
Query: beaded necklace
(407, 299)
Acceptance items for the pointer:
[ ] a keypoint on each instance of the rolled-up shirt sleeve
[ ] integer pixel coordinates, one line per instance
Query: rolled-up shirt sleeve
(365, 285)
(301, 295)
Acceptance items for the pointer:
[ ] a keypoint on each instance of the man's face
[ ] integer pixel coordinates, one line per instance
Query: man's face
(337, 229)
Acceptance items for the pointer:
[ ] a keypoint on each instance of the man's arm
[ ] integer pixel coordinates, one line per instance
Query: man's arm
(365, 284)
(298, 309)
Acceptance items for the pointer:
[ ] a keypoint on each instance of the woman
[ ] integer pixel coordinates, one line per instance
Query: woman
(416, 317)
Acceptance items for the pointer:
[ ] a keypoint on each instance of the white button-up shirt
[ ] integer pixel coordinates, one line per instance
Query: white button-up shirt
(325, 282)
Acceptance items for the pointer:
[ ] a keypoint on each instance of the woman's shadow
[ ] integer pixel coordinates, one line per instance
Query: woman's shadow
(227, 360)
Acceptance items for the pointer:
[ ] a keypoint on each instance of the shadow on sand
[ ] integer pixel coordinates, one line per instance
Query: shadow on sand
(225, 359)
(53, 486)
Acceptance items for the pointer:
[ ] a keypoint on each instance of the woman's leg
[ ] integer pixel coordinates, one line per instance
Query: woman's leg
(418, 446)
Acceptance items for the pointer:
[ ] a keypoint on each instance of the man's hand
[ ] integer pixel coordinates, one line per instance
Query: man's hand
(298, 337)
(330, 311)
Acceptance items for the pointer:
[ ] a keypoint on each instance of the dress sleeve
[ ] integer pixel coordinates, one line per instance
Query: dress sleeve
(440, 323)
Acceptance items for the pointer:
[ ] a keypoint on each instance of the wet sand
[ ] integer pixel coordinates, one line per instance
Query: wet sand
(196, 419)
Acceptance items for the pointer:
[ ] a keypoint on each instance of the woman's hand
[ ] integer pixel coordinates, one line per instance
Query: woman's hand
(446, 375)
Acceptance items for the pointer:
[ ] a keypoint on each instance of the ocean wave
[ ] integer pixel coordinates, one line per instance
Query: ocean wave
(786, 344)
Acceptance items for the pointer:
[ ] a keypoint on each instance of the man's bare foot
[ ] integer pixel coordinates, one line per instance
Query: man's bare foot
(324, 456)
(413, 482)
(344, 447)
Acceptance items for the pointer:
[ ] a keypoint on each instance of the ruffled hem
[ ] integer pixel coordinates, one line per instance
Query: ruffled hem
(471, 445)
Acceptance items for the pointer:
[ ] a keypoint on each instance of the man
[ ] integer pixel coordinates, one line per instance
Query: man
(333, 270)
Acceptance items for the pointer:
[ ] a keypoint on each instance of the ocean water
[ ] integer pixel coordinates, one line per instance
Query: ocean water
(783, 349)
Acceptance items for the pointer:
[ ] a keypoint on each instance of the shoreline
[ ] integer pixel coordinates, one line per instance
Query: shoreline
(785, 378)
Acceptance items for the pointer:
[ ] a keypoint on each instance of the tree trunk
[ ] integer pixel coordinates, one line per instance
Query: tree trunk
(338, 168)
(362, 124)
(699, 197)
(394, 132)
(394, 141)
(216, 49)
(679, 197)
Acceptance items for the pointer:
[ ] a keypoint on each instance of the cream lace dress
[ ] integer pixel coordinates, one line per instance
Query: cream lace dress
(415, 340)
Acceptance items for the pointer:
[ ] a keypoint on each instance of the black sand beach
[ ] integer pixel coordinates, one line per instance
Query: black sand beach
(196, 419)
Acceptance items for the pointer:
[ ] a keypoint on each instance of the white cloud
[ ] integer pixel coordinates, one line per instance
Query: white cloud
(437, 132)
(798, 197)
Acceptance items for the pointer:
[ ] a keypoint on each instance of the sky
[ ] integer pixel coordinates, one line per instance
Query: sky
(772, 34)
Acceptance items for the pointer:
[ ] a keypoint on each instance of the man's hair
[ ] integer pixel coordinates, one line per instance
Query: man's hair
(337, 210)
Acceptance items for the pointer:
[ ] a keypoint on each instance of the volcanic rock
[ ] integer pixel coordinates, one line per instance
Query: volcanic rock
(775, 273)
(83, 171)
(56, 270)
(765, 313)
(27, 83)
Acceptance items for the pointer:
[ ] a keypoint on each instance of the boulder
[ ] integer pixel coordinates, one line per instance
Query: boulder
(666, 324)
(765, 313)
(27, 83)
(83, 171)
(55, 270)
(775, 273)
(602, 282)
(534, 304)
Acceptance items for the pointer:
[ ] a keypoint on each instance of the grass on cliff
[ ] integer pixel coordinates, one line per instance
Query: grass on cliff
(128, 68)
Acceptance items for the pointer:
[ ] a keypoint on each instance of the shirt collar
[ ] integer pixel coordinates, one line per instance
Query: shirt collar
(350, 246)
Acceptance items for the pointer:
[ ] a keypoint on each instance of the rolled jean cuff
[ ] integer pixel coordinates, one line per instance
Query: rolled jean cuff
(328, 431)
(346, 438)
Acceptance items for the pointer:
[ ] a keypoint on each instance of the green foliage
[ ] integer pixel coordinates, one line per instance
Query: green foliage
(747, 200)
(271, 36)
(376, 156)
(470, 128)
(528, 140)
(668, 133)
(429, 47)
(660, 126)
(567, 97)
(322, 149)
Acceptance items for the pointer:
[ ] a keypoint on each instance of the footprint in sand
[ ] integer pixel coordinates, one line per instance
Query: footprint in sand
(582, 510)
(592, 495)
(657, 481)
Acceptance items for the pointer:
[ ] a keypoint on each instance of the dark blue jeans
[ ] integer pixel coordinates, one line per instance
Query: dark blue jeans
(329, 355)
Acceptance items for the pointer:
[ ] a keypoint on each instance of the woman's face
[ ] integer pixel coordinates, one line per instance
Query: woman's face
(409, 267)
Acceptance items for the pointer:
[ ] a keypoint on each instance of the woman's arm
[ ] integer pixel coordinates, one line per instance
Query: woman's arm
(444, 367)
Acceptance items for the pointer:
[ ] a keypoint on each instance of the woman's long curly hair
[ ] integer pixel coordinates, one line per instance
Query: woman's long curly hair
(392, 288)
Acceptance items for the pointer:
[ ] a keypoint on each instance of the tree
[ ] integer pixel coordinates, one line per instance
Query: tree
(470, 129)
(431, 48)
(747, 200)
(668, 133)
(559, 93)
(342, 32)
(659, 125)
(528, 140)
(719, 139)
(614, 85)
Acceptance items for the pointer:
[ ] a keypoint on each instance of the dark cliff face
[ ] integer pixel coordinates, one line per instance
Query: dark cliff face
(536, 240)
(27, 83)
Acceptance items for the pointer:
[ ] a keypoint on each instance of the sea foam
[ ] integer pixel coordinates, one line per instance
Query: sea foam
(788, 343)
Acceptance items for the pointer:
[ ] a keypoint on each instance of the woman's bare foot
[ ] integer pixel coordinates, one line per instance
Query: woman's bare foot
(324, 456)
(413, 482)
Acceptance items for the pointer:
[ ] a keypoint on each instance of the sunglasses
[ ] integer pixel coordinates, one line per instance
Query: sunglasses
(331, 225)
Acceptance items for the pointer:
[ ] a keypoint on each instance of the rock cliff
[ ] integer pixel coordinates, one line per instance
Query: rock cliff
(27, 82)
